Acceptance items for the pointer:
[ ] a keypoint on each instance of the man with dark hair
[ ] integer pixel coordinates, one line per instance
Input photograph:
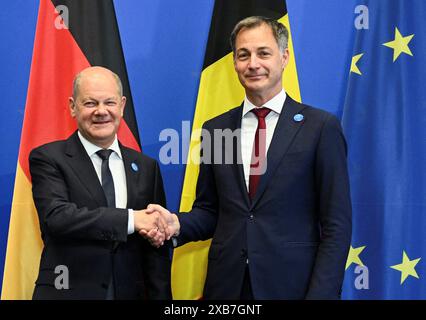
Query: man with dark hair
(280, 221)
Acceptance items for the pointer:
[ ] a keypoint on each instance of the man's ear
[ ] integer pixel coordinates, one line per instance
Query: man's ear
(71, 104)
(285, 58)
(123, 104)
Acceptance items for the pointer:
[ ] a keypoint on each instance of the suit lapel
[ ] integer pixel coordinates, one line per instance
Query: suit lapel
(132, 167)
(82, 165)
(284, 134)
(238, 169)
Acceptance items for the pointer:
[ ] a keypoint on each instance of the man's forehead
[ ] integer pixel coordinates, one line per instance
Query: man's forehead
(89, 96)
(98, 86)
(255, 35)
(264, 28)
(97, 80)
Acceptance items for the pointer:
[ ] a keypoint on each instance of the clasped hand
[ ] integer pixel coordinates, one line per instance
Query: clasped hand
(156, 224)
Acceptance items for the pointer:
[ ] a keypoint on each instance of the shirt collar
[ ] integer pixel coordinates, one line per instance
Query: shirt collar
(275, 104)
(91, 148)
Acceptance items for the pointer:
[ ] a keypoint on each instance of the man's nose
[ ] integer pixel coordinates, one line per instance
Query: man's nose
(101, 109)
(253, 62)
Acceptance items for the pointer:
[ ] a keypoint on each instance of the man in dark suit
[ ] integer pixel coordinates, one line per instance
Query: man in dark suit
(82, 188)
(280, 218)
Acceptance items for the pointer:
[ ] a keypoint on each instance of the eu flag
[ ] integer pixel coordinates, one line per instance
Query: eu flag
(384, 120)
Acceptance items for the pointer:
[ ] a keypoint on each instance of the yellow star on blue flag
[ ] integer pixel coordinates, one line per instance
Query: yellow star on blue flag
(399, 44)
(407, 267)
(354, 67)
(353, 256)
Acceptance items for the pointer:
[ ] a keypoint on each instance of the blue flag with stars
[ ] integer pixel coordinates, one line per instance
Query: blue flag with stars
(384, 120)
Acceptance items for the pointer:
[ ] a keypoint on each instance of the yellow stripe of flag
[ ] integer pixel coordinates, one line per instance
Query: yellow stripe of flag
(24, 244)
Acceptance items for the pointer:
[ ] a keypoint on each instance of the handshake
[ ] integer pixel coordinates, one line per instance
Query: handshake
(156, 224)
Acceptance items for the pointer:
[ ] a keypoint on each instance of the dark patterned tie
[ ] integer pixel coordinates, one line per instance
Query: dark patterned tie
(258, 155)
(107, 181)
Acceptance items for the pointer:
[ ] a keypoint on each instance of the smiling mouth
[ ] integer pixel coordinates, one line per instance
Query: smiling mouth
(255, 76)
(99, 123)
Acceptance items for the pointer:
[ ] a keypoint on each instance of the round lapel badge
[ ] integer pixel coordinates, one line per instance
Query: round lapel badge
(134, 167)
(298, 117)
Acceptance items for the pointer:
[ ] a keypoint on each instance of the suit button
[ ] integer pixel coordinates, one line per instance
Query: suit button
(251, 216)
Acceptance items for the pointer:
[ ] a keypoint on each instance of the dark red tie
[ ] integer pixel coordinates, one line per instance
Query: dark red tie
(258, 155)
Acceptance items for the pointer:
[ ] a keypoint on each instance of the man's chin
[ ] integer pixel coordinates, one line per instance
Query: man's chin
(254, 86)
(102, 136)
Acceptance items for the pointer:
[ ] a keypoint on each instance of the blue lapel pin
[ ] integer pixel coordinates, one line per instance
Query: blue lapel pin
(135, 167)
(298, 117)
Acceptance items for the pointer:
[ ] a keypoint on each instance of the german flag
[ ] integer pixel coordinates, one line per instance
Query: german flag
(219, 91)
(70, 36)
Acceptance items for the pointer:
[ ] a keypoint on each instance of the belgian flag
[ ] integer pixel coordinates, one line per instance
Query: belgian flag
(70, 36)
(219, 91)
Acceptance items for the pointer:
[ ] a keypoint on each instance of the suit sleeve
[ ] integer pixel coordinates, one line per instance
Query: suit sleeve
(61, 218)
(157, 262)
(200, 222)
(334, 204)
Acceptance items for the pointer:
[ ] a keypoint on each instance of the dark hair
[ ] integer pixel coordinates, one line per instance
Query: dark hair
(279, 31)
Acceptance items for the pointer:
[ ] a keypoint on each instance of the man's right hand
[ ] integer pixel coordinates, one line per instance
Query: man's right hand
(172, 226)
(151, 225)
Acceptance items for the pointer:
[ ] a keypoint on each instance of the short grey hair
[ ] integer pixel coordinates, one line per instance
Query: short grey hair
(77, 79)
(279, 31)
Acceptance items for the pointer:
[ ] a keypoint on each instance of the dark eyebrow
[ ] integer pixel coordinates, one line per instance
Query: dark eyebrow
(264, 48)
(258, 49)
(242, 49)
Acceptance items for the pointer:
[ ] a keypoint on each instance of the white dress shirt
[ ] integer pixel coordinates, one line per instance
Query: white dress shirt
(116, 166)
(249, 126)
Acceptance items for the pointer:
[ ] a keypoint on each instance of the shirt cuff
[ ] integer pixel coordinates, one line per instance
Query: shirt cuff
(130, 223)
(174, 242)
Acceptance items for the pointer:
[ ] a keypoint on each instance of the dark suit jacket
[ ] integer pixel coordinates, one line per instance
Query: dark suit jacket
(296, 232)
(80, 232)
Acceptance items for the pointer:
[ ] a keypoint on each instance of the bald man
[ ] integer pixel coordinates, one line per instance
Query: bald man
(89, 191)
